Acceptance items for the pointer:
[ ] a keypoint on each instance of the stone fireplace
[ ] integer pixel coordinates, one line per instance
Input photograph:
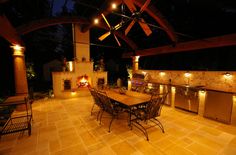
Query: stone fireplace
(74, 83)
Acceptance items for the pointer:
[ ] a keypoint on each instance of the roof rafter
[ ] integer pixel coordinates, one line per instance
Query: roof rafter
(8, 32)
(220, 41)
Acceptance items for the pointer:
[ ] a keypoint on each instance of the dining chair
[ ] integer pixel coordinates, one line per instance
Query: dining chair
(97, 101)
(147, 113)
(109, 106)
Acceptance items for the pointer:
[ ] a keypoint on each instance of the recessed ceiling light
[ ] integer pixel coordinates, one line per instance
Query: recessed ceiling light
(96, 21)
(113, 6)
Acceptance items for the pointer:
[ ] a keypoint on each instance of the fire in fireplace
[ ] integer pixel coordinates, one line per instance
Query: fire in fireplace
(83, 81)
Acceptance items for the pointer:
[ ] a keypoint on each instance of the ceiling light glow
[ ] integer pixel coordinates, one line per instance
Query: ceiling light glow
(113, 6)
(96, 21)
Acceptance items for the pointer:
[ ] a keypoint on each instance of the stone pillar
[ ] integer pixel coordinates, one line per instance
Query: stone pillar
(135, 63)
(21, 85)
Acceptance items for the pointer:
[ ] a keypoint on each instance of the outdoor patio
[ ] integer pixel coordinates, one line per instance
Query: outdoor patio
(65, 126)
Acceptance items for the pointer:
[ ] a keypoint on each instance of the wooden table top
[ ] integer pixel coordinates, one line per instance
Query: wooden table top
(131, 98)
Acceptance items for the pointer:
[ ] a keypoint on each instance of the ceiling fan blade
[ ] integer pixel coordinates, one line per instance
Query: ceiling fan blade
(145, 27)
(129, 27)
(104, 36)
(117, 40)
(145, 5)
(106, 20)
(130, 5)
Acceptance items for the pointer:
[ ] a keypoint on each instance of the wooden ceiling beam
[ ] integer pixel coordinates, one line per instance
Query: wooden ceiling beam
(38, 24)
(42, 23)
(159, 18)
(214, 42)
(8, 32)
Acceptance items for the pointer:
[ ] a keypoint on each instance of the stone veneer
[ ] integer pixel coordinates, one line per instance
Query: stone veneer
(213, 80)
(210, 80)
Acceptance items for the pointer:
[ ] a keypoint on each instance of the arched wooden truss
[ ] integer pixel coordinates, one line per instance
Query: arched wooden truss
(34, 25)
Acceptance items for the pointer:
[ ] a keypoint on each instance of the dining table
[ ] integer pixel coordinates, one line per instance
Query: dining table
(128, 99)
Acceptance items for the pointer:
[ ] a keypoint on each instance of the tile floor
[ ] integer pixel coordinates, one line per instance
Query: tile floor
(66, 127)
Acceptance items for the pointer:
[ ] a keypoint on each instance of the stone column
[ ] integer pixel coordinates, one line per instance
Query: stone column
(135, 63)
(21, 85)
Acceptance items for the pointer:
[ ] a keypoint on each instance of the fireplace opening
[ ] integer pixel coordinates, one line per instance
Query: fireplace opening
(83, 81)
(67, 84)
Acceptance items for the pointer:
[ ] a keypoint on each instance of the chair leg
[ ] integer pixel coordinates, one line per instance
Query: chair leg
(98, 114)
(141, 128)
(111, 123)
(92, 109)
(101, 117)
(159, 124)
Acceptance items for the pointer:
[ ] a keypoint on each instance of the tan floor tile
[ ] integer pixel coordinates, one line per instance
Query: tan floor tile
(96, 147)
(111, 138)
(201, 149)
(146, 148)
(163, 143)
(69, 140)
(103, 150)
(211, 131)
(206, 141)
(54, 145)
(5, 151)
(123, 148)
(40, 152)
(73, 150)
(67, 132)
(184, 142)
(67, 127)
(176, 132)
(177, 150)
(88, 139)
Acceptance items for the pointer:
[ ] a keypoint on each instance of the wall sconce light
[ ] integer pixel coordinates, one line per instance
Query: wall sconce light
(162, 73)
(203, 91)
(187, 74)
(172, 89)
(18, 50)
(227, 75)
(137, 58)
(144, 73)
(73, 92)
(70, 65)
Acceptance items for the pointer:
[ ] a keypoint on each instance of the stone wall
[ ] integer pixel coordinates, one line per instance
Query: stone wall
(213, 80)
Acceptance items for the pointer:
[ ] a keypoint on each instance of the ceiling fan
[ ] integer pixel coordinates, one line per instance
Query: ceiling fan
(136, 16)
(111, 31)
